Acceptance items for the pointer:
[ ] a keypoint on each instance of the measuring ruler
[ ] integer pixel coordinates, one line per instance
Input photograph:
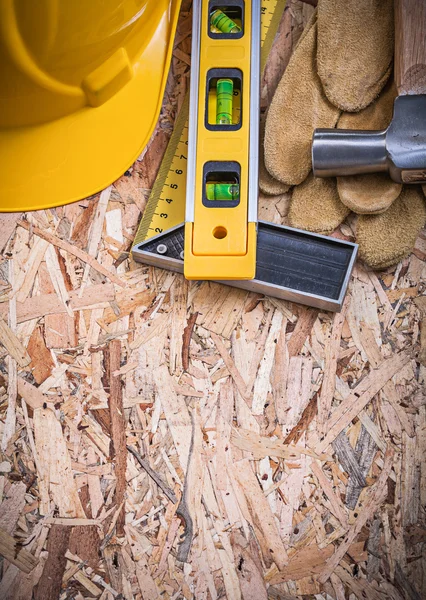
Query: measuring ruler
(166, 204)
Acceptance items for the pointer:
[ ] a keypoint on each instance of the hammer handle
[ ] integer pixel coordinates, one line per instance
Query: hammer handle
(410, 46)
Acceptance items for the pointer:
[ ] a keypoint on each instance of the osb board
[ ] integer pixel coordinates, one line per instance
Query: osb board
(289, 442)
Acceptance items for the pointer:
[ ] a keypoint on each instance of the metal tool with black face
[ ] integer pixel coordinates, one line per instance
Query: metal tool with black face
(400, 149)
(291, 264)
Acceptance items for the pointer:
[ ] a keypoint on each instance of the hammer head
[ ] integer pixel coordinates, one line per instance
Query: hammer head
(399, 150)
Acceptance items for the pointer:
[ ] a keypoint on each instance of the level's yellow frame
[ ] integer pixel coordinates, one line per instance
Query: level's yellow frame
(234, 256)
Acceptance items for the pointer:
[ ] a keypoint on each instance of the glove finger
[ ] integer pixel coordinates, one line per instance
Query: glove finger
(355, 50)
(377, 115)
(387, 238)
(267, 184)
(372, 193)
(297, 108)
(369, 194)
(315, 205)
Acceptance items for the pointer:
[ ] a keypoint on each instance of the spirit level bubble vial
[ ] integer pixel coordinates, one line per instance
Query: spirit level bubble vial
(222, 175)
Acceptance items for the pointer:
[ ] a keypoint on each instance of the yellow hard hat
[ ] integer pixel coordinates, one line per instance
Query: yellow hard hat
(81, 86)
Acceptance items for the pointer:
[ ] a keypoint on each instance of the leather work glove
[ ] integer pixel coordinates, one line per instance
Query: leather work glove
(298, 106)
(371, 193)
(267, 184)
(387, 238)
(342, 63)
(355, 50)
(315, 205)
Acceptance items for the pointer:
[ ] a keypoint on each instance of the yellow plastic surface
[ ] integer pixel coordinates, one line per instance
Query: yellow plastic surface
(206, 256)
(81, 86)
(221, 266)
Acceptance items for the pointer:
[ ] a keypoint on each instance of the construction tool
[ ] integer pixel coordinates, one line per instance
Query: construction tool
(291, 264)
(82, 85)
(222, 176)
(399, 150)
(166, 204)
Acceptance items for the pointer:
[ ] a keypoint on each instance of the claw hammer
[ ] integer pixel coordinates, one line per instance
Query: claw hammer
(399, 150)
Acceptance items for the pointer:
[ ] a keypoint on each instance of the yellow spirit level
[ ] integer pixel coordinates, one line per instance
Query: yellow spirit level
(290, 264)
(222, 175)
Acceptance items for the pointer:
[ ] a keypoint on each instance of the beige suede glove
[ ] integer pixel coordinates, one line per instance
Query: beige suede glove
(355, 50)
(298, 106)
(350, 44)
(370, 193)
(387, 238)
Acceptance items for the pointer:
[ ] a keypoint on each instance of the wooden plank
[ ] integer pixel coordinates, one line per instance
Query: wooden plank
(32, 395)
(20, 557)
(179, 293)
(331, 356)
(83, 256)
(221, 309)
(41, 359)
(49, 304)
(96, 230)
(223, 429)
(249, 569)
(118, 433)
(305, 322)
(261, 446)
(50, 583)
(298, 391)
(262, 385)
(235, 374)
(365, 451)
(302, 425)
(56, 478)
(335, 502)
(7, 227)
(360, 397)
(375, 357)
(410, 481)
(13, 345)
(348, 459)
(306, 562)
(11, 507)
(375, 498)
(261, 515)
(60, 329)
(280, 374)
(176, 413)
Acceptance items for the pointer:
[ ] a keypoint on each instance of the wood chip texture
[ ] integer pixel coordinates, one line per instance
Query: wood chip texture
(282, 449)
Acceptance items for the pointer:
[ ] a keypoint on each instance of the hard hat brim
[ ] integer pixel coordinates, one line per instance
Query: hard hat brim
(78, 155)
